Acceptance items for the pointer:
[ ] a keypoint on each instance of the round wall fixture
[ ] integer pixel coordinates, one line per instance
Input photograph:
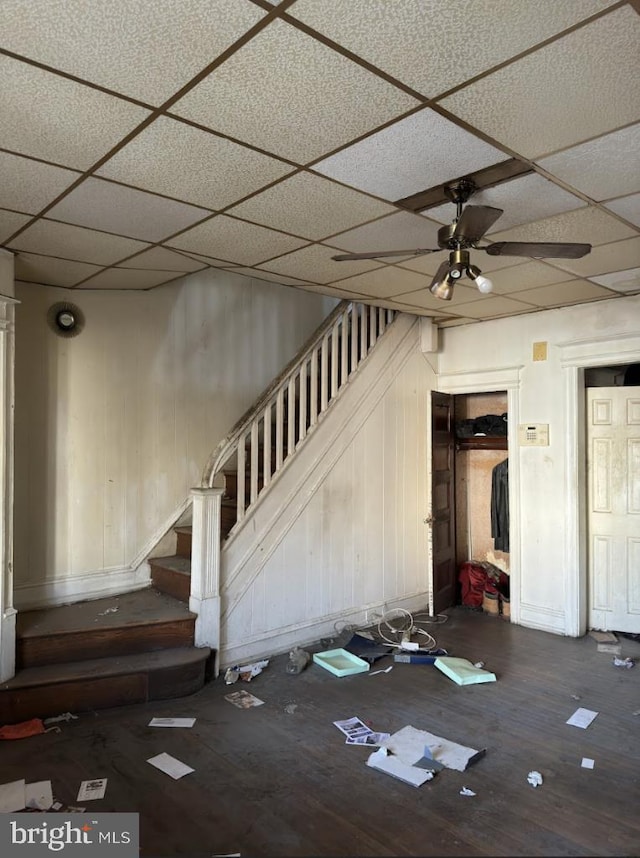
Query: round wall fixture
(66, 320)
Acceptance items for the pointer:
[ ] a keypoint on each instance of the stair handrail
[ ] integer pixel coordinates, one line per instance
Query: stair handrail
(320, 355)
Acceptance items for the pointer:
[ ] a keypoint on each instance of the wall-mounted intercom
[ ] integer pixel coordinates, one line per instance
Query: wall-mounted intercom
(533, 434)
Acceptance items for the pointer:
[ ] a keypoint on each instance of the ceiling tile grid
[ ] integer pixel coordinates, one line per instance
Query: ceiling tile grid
(143, 142)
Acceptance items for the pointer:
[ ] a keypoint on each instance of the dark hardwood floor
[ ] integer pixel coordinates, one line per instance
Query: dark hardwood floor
(269, 782)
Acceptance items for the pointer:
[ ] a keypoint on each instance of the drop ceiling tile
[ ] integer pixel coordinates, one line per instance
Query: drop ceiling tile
(163, 259)
(28, 186)
(11, 222)
(175, 159)
(267, 276)
(526, 276)
(236, 241)
(34, 268)
(98, 204)
(384, 282)
(588, 225)
(627, 207)
(575, 88)
(129, 278)
(396, 162)
(315, 263)
(559, 295)
(605, 259)
(606, 167)
(75, 124)
(494, 306)
(208, 260)
(462, 295)
(289, 94)
(310, 206)
(74, 242)
(420, 43)
(620, 281)
(523, 200)
(396, 232)
(146, 50)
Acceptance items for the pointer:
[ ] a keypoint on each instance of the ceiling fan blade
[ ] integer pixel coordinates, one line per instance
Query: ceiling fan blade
(475, 221)
(374, 254)
(538, 249)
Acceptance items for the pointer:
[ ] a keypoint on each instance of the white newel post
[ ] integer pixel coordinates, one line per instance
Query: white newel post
(7, 348)
(205, 568)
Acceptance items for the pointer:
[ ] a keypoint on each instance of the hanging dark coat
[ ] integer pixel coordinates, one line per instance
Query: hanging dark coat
(500, 506)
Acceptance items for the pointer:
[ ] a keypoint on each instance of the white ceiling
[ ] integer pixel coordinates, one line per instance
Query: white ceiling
(144, 141)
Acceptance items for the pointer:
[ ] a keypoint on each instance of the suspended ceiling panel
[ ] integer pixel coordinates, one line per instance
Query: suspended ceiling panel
(141, 142)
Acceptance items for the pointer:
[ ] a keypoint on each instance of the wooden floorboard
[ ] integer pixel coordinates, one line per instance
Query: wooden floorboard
(270, 783)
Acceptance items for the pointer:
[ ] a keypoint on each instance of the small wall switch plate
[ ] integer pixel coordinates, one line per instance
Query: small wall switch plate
(540, 351)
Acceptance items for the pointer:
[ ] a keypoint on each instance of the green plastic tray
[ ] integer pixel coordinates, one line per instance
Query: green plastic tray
(340, 662)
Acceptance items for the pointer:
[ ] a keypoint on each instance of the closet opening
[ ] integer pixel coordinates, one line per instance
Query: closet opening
(482, 501)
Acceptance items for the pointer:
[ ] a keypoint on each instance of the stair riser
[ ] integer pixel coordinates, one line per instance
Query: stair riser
(45, 701)
(80, 646)
(183, 547)
(172, 583)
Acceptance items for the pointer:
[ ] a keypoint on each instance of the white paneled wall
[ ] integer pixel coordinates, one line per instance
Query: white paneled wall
(114, 426)
(348, 535)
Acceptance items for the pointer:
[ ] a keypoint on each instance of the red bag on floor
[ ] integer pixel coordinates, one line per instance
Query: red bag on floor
(473, 579)
(22, 730)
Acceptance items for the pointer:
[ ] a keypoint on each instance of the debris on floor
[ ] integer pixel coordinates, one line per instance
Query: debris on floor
(623, 662)
(390, 765)
(25, 729)
(364, 646)
(290, 708)
(462, 671)
(38, 796)
(466, 791)
(243, 700)
(353, 727)
(246, 672)
(298, 660)
(55, 719)
(170, 766)
(582, 718)
(171, 722)
(535, 779)
(109, 611)
(340, 662)
(587, 763)
(410, 744)
(91, 790)
(603, 637)
(12, 796)
(382, 670)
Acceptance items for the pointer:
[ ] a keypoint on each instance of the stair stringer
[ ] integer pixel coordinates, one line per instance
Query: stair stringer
(248, 551)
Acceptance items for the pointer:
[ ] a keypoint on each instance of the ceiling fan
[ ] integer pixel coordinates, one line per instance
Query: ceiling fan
(469, 226)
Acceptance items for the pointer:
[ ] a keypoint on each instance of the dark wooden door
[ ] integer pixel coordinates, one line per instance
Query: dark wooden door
(442, 521)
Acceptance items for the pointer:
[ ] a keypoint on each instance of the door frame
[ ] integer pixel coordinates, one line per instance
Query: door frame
(576, 356)
(497, 380)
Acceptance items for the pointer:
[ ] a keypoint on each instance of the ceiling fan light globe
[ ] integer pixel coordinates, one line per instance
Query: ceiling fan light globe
(484, 284)
(442, 289)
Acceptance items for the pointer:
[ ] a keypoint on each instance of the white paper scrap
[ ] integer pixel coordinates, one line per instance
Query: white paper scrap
(535, 779)
(369, 739)
(171, 722)
(582, 718)
(90, 790)
(352, 727)
(12, 796)
(588, 763)
(381, 761)
(170, 766)
(466, 791)
(38, 795)
(409, 744)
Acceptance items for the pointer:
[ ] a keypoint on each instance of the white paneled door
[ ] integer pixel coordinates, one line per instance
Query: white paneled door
(613, 507)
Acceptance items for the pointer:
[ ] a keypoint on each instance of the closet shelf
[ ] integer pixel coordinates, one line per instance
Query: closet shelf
(482, 442)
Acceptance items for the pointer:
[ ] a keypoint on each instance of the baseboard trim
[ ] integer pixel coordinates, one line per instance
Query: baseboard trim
(95, 585)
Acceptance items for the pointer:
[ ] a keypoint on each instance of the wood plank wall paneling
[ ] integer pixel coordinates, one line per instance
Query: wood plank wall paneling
(360, 539)
(114, 426)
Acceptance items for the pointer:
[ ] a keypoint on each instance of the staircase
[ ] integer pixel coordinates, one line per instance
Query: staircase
(125, 649)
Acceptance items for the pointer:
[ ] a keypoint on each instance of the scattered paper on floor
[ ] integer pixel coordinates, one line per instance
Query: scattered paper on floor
(393, 766)
(535, 779)
(582, 718)
(12, 796)
(588, 763)
(38, 795)
(90, 790)
(409, 746)
(368, 739)
(243, 700)
(170, 766)
(171, 722)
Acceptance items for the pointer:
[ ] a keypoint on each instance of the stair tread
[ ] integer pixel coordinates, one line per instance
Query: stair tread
(98, 668)
(176, 562)
(142, 607)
